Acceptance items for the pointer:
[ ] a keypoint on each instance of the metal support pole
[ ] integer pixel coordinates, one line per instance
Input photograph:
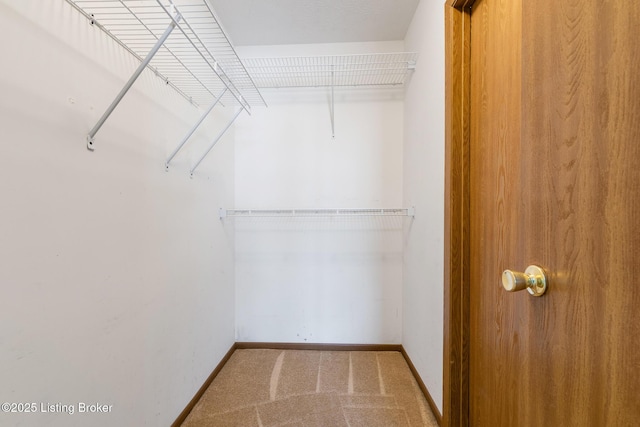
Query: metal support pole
(132, 79)
(215, 141)
(194, 128)
(333, 126)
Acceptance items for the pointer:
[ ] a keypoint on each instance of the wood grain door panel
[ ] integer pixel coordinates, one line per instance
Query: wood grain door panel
(581, 136)
(555, 181)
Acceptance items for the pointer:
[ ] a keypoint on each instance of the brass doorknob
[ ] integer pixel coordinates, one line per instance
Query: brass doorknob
(533, 280)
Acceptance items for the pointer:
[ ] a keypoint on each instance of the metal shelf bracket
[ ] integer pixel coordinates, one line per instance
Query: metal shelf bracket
(194, 128)
(92, 133)
(215, 141)
(333, 82)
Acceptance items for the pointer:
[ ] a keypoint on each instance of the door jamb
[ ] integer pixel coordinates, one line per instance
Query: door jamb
(457, 198)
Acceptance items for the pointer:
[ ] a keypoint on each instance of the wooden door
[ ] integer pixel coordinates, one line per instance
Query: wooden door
(554, 180)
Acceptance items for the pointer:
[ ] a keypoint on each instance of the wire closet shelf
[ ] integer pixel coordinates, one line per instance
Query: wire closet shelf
(322, 212)
(197, 59)
(378, 69)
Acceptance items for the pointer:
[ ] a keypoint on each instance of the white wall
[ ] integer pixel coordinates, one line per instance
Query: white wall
(117, 277)
(320, 280)
(424, 189)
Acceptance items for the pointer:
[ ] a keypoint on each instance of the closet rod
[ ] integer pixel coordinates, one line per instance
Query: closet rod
(321, 212)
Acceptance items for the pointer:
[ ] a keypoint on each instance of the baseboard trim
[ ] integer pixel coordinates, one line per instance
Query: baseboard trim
(308, 346)
(192, 403)
(423, 387)
(318, 346)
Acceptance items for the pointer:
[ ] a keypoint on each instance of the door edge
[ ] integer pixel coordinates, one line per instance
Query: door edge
(457, 198)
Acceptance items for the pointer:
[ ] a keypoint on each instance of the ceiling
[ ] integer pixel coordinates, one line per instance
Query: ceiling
(273, 22)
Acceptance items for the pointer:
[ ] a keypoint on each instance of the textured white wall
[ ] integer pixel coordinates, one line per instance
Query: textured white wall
(320, 280)
(424, 189)
(117, 278)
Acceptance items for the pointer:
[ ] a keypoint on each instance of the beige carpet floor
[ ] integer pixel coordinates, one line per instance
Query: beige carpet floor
(304, 388)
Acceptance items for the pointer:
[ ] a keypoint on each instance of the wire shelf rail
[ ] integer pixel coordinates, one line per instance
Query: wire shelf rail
(322, 212)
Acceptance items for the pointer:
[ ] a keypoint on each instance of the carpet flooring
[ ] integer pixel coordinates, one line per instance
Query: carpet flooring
(305, 388)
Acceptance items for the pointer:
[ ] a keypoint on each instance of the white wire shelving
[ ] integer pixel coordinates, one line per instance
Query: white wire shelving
(367, 70)
(321, 212)
(377, 69)
(198, 59)
(184, 44)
